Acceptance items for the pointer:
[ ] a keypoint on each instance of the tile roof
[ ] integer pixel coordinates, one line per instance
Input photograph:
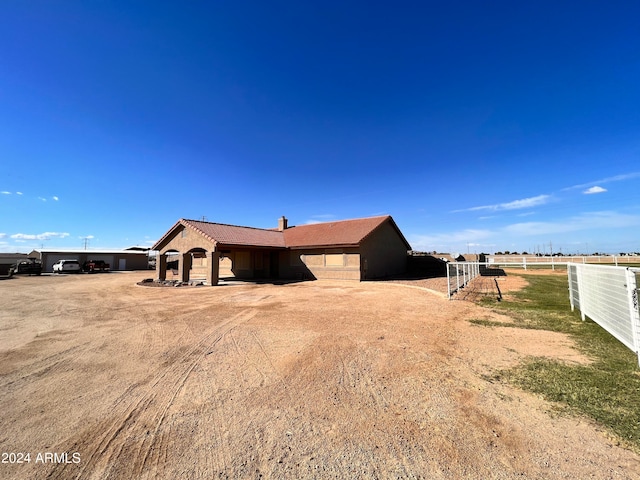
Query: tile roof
(340, 233)
(236, 235)
(329, 234)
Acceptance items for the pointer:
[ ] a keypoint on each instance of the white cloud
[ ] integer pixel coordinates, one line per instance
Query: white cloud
(42, 198)
(584, 221)
(39, 236)
(586, 226)
(446, 241)
(616, 178)
(594, 189)
(55, 198)
(18, 193)
(327, 217)
(3, 235)
(5, 193)
(513, 205)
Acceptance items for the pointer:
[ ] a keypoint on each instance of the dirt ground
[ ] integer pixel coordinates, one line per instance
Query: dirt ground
(306, 380)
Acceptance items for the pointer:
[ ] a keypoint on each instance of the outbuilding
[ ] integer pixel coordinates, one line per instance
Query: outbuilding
(358, 249)
(117, 259)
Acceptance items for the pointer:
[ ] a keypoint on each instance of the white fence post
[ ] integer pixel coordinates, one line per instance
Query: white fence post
(634, 309)
(570, 278)
(580, 288)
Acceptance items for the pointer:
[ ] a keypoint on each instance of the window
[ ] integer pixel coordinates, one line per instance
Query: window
(334, 260)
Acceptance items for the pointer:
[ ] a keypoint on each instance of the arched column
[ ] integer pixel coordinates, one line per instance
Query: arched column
(213, 267)
(161, 267)
(184, 266)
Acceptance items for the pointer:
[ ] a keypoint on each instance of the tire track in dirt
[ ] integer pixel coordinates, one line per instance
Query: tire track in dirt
(204, 393)
(365, 391)
(59, 360)
(260, 400)
(50, 364)
(131, 441)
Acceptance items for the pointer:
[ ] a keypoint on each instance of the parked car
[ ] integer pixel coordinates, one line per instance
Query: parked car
(92, 266)
(29, 266)
(66, 266)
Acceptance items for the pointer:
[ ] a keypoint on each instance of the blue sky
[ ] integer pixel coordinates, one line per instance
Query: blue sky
(478, 126)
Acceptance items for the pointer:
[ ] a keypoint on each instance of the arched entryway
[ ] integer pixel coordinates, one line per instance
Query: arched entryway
(167, 264)
(197, 260)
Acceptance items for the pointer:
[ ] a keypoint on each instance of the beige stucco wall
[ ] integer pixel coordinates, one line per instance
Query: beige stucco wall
(246, 263)
(383, 253)
(186, 239)
(196, 265)
(339, 264)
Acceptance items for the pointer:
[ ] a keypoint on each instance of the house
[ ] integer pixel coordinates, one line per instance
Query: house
(359, 249)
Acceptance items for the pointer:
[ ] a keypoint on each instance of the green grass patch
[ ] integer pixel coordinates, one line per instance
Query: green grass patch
(607, 390)
(493, 323)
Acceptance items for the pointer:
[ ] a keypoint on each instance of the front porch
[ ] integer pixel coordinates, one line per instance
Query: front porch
(217, 266)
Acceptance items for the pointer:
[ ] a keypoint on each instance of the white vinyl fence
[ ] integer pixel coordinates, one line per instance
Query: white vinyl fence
(563, 259)
(608, 295)
(459, 274)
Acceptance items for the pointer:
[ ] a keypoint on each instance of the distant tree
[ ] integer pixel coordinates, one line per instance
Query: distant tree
(525, 253)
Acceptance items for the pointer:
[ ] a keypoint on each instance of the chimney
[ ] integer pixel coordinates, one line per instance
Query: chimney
(282, 223)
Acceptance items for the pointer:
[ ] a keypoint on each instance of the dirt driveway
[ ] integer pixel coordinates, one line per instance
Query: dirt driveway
(307, 380)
